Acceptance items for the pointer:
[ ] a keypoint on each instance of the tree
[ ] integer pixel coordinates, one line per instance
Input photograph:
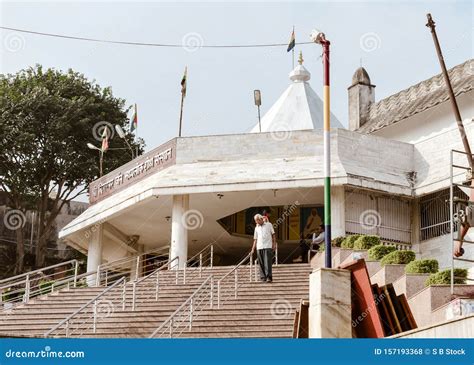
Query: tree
(46, 119)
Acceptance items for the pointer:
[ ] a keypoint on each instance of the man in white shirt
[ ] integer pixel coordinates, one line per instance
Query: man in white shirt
(265, 242)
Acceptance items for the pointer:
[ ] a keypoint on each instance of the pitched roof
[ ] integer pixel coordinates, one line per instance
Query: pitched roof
(298, 108)
(418, 98)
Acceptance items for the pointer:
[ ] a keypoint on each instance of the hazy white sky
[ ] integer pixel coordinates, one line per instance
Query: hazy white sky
(389, 38)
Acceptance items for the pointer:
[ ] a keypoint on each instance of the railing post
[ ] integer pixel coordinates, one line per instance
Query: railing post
(52, 287)
(236, 281)
(133, 295)
(76, 268)
(97, 279)
(212, 255)
(309, 255)
(212, 292)
(26, 297)
(255, 270)
(157, 285)
(106, 278)
(171, 327)
(124, 295)
(276, 253)
(191, 314)
(200, 265)
(137, 267)
(219, 294)
(67, 329)
(94, 325)
(184, 273)
(250, 269)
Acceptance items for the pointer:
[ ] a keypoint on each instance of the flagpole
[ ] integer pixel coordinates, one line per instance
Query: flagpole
(181, 114)
(136, 129)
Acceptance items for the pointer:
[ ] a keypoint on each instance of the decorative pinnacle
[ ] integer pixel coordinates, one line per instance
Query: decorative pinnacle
(300, 59)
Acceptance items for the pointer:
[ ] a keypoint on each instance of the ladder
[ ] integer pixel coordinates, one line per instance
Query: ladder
(456, 205)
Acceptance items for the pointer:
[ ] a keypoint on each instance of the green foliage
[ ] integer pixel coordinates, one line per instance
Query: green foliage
(398, 257)
(422, 267)
(348, 241)
(366, 241)
(336, 242)
(377, 252)
(45, 286)
(444, 277)
(47, 117)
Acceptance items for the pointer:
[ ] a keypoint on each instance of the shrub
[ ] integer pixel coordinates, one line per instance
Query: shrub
(398, 257)
(444, 277)
(336, 242)
(422, 267)
(365, 242)
(348, 242)
(45, 286)
(376, 253)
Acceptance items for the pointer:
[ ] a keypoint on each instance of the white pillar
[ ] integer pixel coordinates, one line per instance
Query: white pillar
(338, 211)
(179, 232)
(94, 252)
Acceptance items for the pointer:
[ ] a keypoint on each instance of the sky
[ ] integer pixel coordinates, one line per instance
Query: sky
(388, 38)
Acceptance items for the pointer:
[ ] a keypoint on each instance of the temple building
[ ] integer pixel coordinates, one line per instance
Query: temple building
(390, 177)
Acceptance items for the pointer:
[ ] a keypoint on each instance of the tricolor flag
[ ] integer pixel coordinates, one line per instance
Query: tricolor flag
(134, 120)
(184, 82)
(105, 140)
(292, 43)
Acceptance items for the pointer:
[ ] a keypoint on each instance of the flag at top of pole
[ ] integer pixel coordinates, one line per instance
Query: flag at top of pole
(184, 82)
(105, 140)
(134, 120)
(292, 42)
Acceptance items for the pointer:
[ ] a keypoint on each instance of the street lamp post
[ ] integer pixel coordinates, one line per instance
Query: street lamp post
(121, 134)
(319, 38)
(101, 156)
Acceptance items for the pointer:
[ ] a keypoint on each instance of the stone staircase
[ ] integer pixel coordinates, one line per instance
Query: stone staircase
(428, 304)
(261, 309)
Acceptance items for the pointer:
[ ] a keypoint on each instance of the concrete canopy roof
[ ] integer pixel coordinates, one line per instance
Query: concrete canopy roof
(262, 162)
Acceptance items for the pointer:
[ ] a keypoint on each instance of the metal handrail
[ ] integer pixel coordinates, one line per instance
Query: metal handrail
(171, 319)
(203, 259)
(204, 249)
(38, 270)
(118, 264)
(236, 278)
(157, 272)
(71, 316)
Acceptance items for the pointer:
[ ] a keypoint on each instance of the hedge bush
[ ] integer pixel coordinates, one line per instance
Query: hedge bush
(366, 241)
(336, 242)
(376, 253)
(444, 277)
(398, 257)
(348, 241)
(422, 267)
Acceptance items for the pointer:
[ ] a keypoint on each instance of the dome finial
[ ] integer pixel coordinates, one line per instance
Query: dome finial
(300, 58)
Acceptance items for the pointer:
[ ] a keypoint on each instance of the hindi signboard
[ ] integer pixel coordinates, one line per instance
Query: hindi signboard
(134, 171)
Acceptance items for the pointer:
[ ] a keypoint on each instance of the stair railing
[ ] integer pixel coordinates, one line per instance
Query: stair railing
(183, 317)
(166, 265)
(131, 267)
(198, 263)
(235, 287)
(21, 288)
(86, 318)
